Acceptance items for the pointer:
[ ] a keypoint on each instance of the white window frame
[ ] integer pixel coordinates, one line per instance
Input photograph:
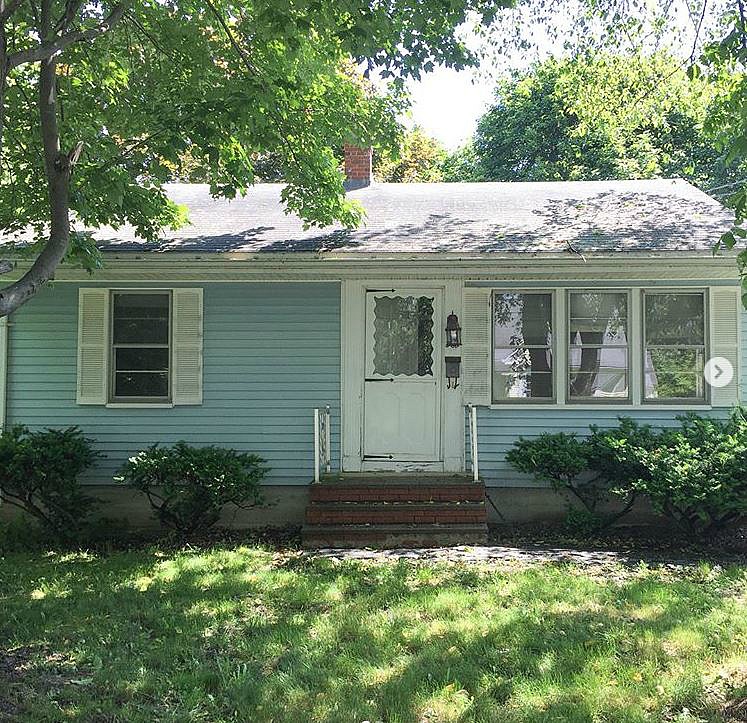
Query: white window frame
(116, 401)
(706, 399)
(621, 401)
(553, 347)
(635, 342)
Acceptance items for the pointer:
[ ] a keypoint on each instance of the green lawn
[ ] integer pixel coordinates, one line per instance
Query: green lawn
(245, 634)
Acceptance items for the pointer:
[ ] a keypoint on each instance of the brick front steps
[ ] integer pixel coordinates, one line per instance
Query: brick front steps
(395, 511)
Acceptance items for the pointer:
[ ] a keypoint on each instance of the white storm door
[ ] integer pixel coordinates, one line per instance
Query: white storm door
(402, 387)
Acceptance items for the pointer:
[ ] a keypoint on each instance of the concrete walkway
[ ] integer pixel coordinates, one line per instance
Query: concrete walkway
(497, 555)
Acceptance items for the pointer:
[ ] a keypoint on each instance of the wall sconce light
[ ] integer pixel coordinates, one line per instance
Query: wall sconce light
(453, 331)
(453, 369)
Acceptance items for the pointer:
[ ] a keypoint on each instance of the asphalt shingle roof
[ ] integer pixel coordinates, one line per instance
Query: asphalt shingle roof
(603, 216)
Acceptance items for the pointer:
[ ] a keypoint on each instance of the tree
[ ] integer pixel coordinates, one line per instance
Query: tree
(418, 159)
(462, 165)
(100, 101)
(602, 118)
(728, 55)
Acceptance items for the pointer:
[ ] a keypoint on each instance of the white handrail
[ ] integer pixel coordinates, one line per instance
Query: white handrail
(327, 440)
(474, 457)
(322, 442)
(317, 451)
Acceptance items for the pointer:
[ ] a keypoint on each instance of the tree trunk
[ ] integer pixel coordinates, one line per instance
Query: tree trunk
(57, 167)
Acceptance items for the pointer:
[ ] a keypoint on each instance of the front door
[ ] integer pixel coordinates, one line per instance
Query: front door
(402, 386)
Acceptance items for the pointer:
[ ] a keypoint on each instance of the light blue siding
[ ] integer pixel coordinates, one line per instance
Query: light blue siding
(500, 428)
(271, 354)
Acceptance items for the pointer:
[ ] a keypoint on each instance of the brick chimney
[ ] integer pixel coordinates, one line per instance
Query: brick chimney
(358, 167)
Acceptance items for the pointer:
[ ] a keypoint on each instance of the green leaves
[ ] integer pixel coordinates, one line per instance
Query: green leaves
(603, 117)
(209, 90)
(418, 159)
(698, 473)
(189, 486)
(695, 474)
(39, 473)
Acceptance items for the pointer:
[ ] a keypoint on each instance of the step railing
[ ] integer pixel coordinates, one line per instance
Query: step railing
(322, 442)
(472, 433)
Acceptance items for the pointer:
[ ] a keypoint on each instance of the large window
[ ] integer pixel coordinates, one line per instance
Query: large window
(141, 346)
(598, 346)
(522, 346)
(674, 346)
(620, 347)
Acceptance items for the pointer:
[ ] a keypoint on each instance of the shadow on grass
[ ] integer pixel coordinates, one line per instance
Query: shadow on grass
(237, 635)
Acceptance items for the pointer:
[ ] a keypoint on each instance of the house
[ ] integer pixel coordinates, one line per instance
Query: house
(574, 302)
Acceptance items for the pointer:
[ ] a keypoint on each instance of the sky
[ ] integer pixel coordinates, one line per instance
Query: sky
(447, 104)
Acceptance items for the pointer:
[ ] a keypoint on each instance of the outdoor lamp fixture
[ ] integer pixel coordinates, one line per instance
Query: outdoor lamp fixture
(453, 331)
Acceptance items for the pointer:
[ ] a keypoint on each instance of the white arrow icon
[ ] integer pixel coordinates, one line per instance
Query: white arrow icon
(718, 371)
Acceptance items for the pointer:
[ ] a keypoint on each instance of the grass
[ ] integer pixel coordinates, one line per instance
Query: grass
(245, 634)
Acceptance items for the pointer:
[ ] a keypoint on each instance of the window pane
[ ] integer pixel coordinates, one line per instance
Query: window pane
(599, 318)
(128, 359)
(403, 336)
(522, 338)
(674, 373)
(141, 318)
(141, 384)
(675, 319)
(598, 372)
(522, 320)
(533, 385)
(521, 359)
(598, 353)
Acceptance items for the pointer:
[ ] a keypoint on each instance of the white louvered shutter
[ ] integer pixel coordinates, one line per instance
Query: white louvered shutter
(725, 306)
(187, 339)
(93, 346)
(476, 340)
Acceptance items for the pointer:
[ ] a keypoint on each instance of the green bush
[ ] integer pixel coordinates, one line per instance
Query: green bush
(564, 460)
(697, 475)
(188, 486)
(39, 474)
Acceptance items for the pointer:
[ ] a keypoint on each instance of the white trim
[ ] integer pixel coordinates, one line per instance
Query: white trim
(565, 330)
(353, 322)
(3, 369)
(560, 344)
(635, 329)
(477, 268)
(622, 408)
(707, 344)
(139, 405)
(316, 445)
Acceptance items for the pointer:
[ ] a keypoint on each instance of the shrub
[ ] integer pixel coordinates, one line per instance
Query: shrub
(697, 475)
(188, 486)
(39, 474)
(606, 463)
(616, 455)
(561, 459)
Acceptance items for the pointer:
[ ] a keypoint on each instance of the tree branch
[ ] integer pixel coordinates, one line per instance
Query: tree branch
(48, 50)
(8, 8)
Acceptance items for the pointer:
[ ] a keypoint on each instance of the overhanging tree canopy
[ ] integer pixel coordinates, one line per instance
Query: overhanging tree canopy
(100, 100)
